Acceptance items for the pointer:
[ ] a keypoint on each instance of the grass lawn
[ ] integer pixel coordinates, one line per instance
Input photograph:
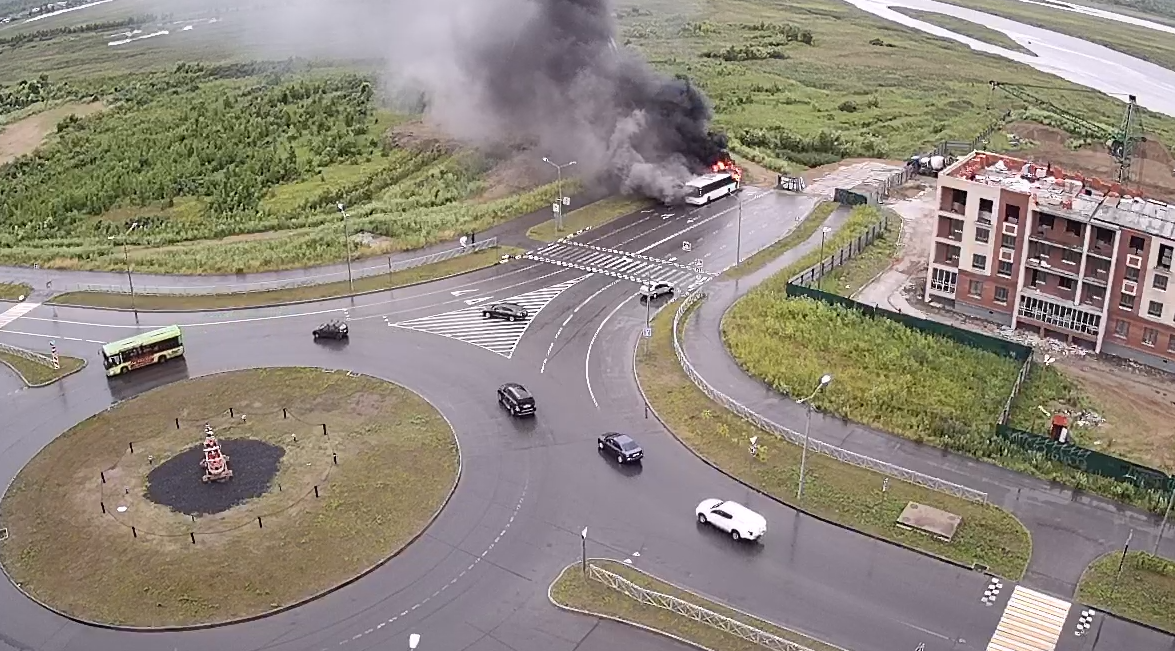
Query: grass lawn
(592, 215)
(35, 374)
(802, 232)
(1145, 591)
(423, 273)
(574, 590)
(852, 276)
(842, 493)
(976, 31)
(397, 463)
(14, 291)
(1141, 42)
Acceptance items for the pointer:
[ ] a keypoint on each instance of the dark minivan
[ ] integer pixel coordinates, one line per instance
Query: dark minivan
(516, 399)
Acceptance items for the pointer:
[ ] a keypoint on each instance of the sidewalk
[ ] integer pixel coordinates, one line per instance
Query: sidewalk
(510, 233)
(1069, 529)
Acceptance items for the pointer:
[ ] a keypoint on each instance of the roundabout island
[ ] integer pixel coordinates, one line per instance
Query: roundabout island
(226, 497)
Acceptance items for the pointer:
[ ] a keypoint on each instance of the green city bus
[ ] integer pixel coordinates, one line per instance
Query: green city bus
(141, 350)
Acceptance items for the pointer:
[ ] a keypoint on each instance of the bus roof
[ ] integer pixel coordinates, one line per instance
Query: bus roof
(706, 179)
(114, 347)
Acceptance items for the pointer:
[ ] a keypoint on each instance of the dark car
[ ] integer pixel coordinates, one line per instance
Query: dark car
(621, 445)
(508, 311)
(653, 292)
(516, 399)
(332, 330)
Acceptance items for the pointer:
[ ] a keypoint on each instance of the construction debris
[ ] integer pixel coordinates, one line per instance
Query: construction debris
(1047, 344)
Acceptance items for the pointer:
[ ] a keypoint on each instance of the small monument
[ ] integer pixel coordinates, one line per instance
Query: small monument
(215, 463)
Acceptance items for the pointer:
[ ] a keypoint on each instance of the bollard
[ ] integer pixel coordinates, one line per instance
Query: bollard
(193, 535)
(103, 504)
(126, 491)
(316, 491)
(150, 459)
(335, 455)
(324, 429)
(103, 476)
(131, 445)
(230, 413)
(193, 518)
(284, 414)
(279, 488)
(177, 423)
(134, 532)
(259, 525)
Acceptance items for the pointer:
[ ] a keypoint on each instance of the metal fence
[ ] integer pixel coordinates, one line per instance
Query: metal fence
(36, 358)
(697, 613)
(843, 255)
(237, 288)
(1021, 378)
(840, 454)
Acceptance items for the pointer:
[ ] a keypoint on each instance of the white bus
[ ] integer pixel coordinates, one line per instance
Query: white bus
(709, 187)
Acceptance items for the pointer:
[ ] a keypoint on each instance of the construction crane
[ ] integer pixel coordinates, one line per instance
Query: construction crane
(1122, 142)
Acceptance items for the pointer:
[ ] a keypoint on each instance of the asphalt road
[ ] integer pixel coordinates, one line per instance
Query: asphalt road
(477, 579)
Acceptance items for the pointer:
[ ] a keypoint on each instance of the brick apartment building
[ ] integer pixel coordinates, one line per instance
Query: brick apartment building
(1028, 246)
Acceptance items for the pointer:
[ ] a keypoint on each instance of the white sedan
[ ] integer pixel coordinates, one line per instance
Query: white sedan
(733, 518)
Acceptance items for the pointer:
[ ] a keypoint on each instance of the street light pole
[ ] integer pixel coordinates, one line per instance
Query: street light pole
(559, 189)
(583, 537)
(807, 402)
(738, 242)
(1163, 527)
(823, 233)
(347, 244)
(126, 257)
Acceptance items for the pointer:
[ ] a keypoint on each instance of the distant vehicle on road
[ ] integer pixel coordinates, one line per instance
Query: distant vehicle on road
(621, 445)
(516, 399)
(708, 187)
(508, 311)
(653, 292)
(141, 350)
(332, 330)
(733, 518)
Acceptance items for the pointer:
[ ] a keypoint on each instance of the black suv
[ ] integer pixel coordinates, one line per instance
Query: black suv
(508, 311)
(653, 292)
(332, 330)
(516, 399)
(621, 445)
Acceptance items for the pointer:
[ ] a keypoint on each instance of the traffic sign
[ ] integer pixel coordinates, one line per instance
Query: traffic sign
(685, 246)
(555, 208)
(648, 332)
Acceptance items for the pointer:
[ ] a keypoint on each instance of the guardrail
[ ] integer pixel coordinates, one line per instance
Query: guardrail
(36, 358)
(290, 283)
(694, 612)
(814, 445)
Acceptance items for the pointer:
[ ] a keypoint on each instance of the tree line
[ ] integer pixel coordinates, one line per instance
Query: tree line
(48, 34)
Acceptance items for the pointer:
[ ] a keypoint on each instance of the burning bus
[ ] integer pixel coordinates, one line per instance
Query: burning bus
(724, 178)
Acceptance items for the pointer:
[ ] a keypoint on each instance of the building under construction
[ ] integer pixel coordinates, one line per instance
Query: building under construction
(1078, 259)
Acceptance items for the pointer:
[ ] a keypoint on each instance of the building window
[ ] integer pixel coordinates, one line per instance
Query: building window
(1160, 282)
(1126, 301)
(1165, 256)
(1066, 283)
(1132, 274)
(1171, 344)
(1001, 295)
(978, 261)
(1155, 308)
(1149, 336)
(1121, 328)
(1070, 257)
(1074, 228)
(1046, 221)
(1012, 214)
(1103, 236)
(1137, 244)
(982, 235)
(975, 289)
(1008, 241)
(1005, 269)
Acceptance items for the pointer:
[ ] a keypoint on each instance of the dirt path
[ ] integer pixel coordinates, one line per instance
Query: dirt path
(887, 290)
(24, 136)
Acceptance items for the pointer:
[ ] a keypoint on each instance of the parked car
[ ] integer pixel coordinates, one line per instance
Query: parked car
(516, 399)
(621, 445)
(733, 518)
(508, 311)
(653, 292)
(332, 330)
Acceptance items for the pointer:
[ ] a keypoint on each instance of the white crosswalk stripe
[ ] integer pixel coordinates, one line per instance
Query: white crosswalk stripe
(16, 311)
(1032, 621)
(633, 267)
(495, 335)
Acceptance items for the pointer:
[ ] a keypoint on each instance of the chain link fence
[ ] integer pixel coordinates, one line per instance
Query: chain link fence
(36, 358)
(290, 283)
(691, 611)
(814, 445)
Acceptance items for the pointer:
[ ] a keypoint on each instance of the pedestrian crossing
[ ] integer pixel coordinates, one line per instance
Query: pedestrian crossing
(494, 335)
(633, 267)
(1032, 621)
(16, 311)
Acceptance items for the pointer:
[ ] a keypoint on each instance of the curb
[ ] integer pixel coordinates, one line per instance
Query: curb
(266, 305)
(797, 509)
(288, 607)
(45, 384)
(579, 611)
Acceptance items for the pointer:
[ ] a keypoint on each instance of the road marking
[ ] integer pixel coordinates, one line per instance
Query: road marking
(16, 311)
(587, 359)
(543, 368)
(495, 335)
(475, 301)
(636, 268)
(459, 292)
(34, 334)
(1032, 621)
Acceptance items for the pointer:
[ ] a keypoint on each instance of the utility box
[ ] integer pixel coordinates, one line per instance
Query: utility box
(1060, 428)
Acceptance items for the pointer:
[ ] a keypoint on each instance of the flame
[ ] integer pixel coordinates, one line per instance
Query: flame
(728, 166)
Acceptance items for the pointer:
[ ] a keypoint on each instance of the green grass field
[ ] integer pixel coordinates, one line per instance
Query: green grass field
(590, 216)
(37, 375)
(1145, 591)
(14, 291)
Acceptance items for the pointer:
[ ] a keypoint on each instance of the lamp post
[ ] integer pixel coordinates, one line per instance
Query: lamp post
(583, 540)
(1163, 527)
(347, 244)
(126, 256)
(559, 189)
(825, 380)
(823, 233)
(413, 640)
(738, 238)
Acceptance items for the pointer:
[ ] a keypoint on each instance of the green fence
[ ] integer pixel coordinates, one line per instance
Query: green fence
(1019, 352)
(1090, 461)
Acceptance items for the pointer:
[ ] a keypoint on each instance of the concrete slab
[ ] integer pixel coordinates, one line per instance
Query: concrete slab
(851, 176)
(927, 519)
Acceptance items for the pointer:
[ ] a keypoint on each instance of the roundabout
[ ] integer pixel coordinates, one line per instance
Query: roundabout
(226, 497)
